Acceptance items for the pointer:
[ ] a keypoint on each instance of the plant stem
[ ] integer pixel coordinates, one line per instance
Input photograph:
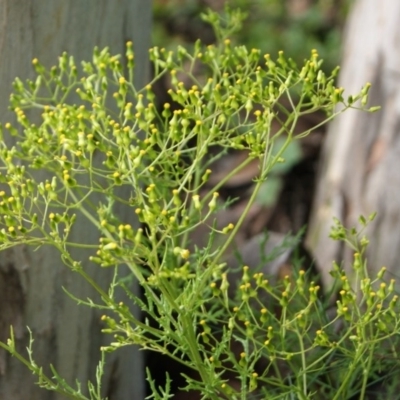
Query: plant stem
(349, 374)
(366, 371)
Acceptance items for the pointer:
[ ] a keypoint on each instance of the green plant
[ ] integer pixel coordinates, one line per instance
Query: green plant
(92, 149)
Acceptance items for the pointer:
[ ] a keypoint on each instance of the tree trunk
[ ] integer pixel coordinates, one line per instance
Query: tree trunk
(359, 170)
(66, 335)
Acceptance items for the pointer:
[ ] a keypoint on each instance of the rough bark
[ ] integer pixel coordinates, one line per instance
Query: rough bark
(360, 163)
(66, 335)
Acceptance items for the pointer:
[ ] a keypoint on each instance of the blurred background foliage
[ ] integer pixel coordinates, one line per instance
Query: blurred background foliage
(294, 26)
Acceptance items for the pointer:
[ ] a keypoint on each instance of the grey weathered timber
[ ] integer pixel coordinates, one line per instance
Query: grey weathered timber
(31, 282)
(360, 169)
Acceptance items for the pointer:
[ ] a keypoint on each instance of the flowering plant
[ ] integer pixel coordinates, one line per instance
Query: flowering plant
(113, 148)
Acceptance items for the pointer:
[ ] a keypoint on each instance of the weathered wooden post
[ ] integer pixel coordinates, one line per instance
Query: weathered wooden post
(360, 169)
(31, 282)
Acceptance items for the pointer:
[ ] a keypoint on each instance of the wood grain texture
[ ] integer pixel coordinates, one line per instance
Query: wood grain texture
(360, 168)
(31, 292)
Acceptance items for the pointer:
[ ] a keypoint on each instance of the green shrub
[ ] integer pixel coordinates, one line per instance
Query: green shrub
(276, 341)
